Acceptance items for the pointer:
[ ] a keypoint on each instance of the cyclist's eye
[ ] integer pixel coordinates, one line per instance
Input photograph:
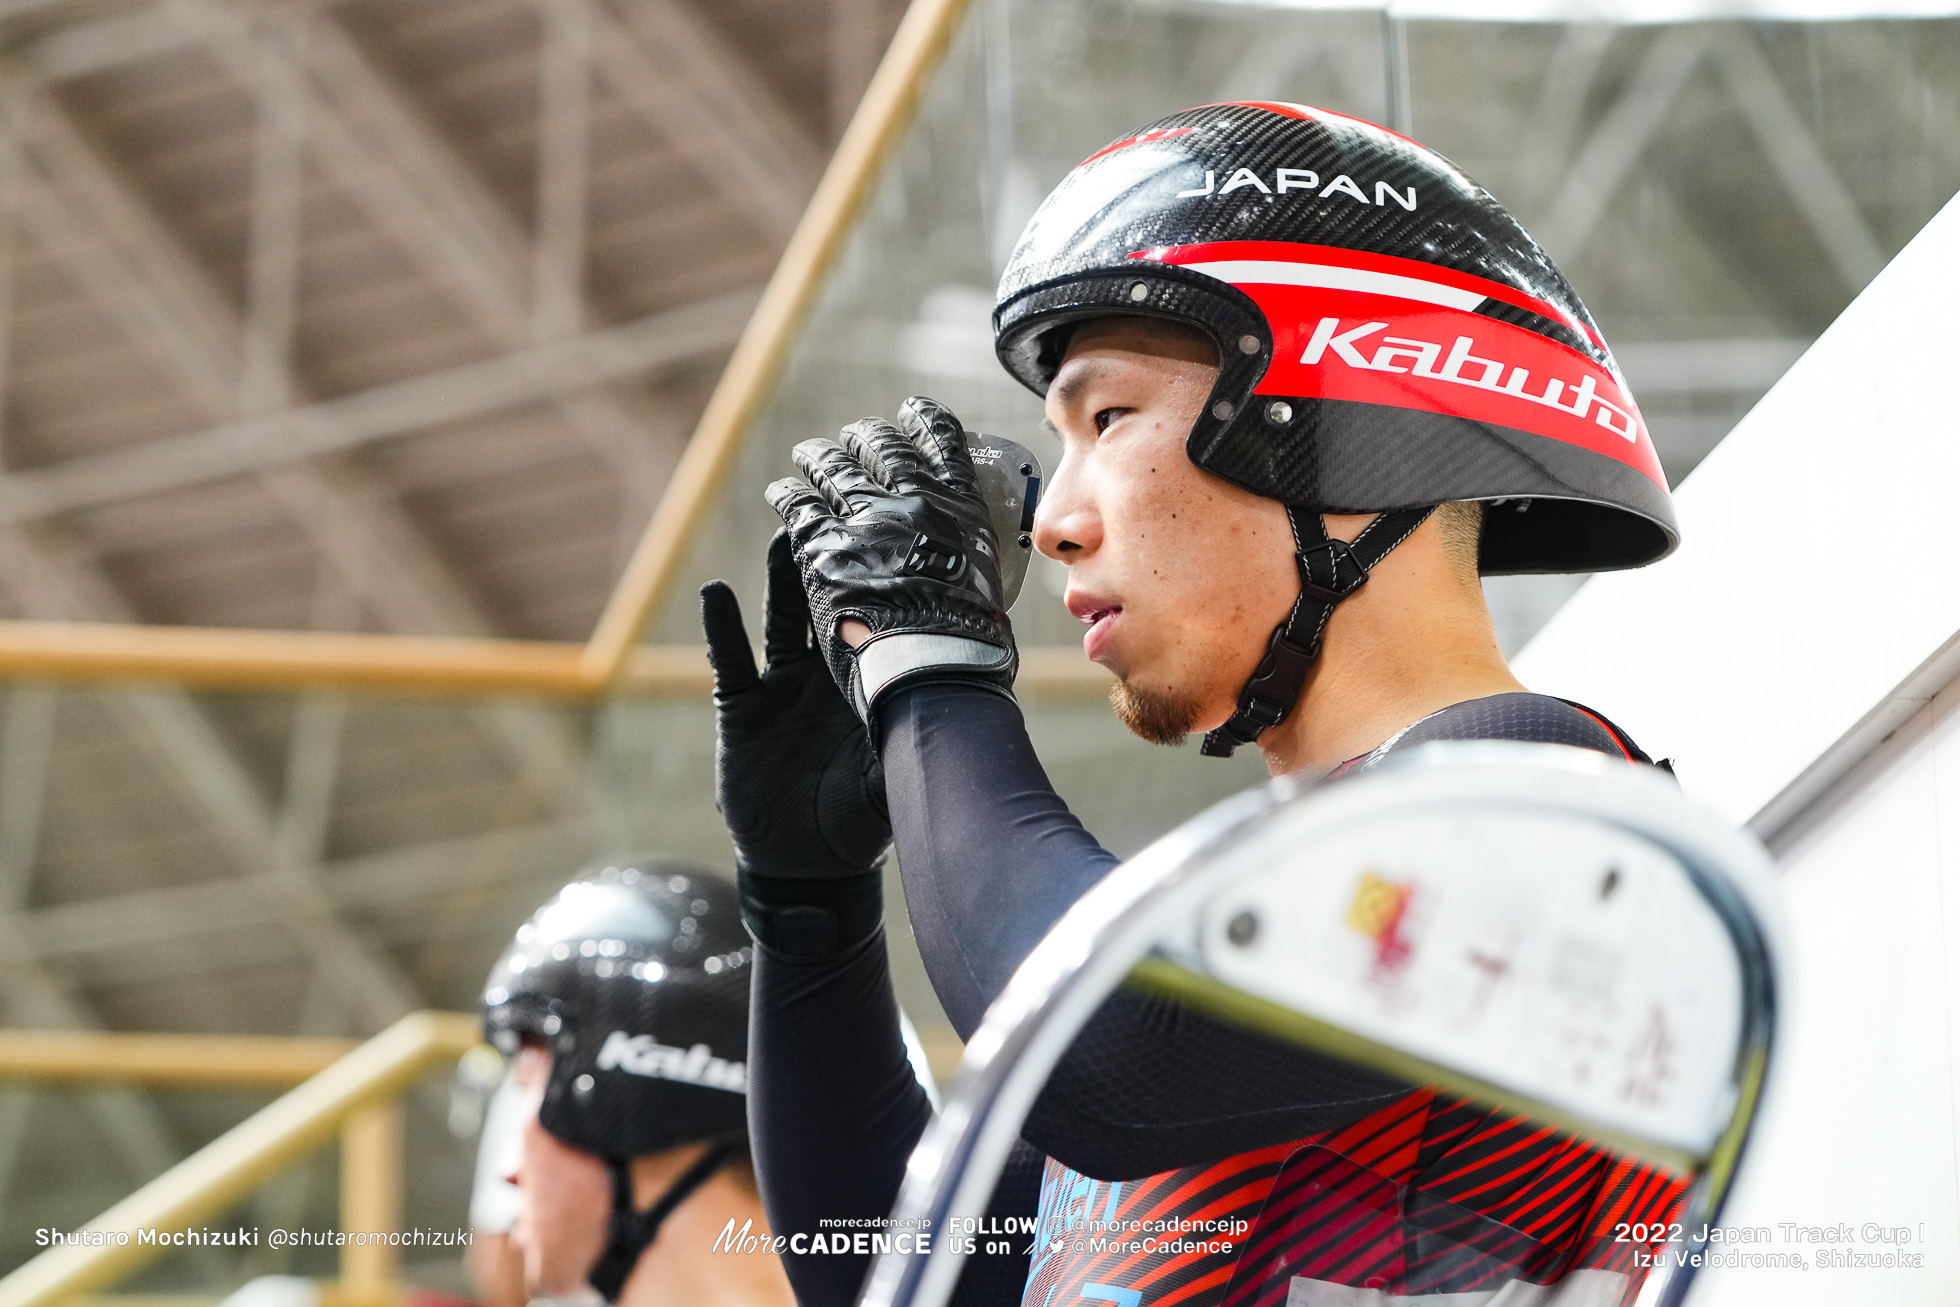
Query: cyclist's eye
(1107, 416)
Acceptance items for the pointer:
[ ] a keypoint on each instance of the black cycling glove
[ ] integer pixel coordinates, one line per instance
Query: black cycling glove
(890, 529)
(796, 778)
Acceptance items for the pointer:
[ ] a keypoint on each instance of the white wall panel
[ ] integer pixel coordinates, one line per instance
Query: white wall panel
(1818, 569)
(1863, 1125)
(1797, 656)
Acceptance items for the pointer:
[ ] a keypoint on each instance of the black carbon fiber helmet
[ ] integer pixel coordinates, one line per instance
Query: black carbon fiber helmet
(636, 976)
(1389, 336)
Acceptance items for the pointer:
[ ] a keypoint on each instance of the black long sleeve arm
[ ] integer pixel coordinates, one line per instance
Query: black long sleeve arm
(834, 1107)
(991, 858)
(834, 1111)
(990, 855)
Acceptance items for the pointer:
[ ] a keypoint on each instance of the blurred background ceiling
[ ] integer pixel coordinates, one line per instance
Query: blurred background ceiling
(482, 259)
(394, 315)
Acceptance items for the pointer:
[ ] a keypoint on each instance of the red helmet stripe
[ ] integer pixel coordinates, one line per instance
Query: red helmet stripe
(1161, 134)
(1335, 256)
(1287, 109)
(1385, 349)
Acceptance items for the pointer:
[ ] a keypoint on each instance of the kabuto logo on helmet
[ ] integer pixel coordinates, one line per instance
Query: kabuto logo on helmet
(1319, 304)
(642, 1055)
(631, 948)
(1380, 355)
(1258, 270)
(619, 959)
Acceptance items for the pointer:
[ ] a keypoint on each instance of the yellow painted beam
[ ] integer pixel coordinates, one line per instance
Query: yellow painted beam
(611, 662)
(236, 659)
(881, 119)
(211, 1061)
(1059, 670)
(371, 1202)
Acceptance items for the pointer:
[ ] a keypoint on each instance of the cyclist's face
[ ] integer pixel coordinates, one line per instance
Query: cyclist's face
(564, 1196)
(1180, 576)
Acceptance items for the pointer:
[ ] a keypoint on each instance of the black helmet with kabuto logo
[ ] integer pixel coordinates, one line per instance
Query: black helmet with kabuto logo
(636, 978)
(1389, 337)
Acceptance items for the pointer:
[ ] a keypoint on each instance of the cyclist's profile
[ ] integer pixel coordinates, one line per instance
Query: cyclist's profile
(1311, 382)
(621, 1006)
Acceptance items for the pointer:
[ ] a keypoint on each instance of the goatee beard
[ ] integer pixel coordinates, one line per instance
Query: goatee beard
(1158, 718)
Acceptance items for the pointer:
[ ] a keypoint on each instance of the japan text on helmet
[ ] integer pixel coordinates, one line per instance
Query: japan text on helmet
(636, 977)
(1389, 336)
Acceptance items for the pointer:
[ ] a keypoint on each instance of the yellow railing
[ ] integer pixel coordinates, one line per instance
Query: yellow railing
(352, 1090)
(215, 658)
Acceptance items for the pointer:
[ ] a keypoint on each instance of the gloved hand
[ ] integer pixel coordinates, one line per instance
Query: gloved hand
(796, 778)
(890, 530)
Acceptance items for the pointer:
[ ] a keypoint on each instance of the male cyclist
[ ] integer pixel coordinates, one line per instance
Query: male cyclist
(621, 1005)
(1310, 382)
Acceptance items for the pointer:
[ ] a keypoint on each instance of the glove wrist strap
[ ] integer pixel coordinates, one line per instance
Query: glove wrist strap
(1330, 571)
(886, 661)
(808, 919)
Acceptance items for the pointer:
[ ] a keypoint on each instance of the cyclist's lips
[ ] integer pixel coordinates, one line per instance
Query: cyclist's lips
(1101, 616)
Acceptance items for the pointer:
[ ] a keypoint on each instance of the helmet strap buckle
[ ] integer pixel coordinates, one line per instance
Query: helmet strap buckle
(1330, 571)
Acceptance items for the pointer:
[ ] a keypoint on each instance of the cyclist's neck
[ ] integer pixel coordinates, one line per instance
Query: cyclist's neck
(1414, 640)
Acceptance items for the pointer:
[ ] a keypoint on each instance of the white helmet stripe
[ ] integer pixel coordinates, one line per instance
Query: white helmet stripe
(1272, 272)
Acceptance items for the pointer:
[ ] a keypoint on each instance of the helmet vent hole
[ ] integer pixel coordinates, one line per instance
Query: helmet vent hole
(1279, 412)
(1139, 292)
(1248, 344)
(1223, 410)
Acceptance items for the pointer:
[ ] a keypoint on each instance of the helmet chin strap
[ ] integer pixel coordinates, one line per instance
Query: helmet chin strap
(1330, 571)
(629, 1232)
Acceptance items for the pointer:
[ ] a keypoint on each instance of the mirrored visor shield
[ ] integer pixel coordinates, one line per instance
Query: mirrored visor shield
(1010, 482)
(1487, 1026)
(1519, 955)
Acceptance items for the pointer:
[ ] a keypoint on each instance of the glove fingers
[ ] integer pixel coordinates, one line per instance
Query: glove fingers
(939, 436)
(786, 614)
(802, 509)
(728, 640)
(888, 455)
(838, 476)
